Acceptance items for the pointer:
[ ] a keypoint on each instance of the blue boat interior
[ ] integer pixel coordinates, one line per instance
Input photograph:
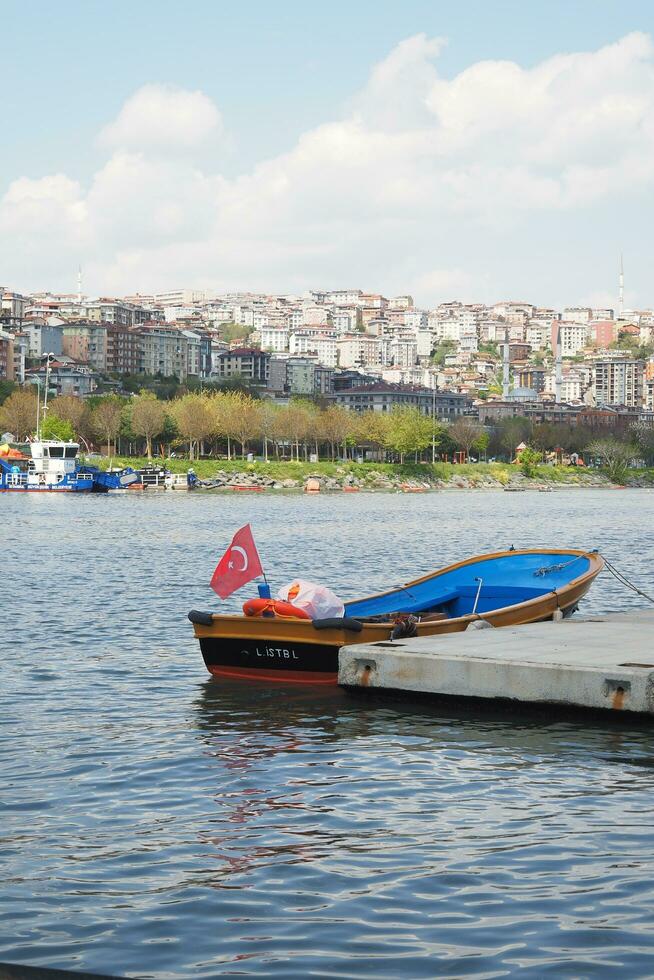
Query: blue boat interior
(484, 585)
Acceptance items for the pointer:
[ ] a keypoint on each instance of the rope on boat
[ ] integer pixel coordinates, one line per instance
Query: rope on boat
(623, 580)
(546, 569)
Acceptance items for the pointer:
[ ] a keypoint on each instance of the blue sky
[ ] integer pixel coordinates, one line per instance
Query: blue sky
(278, 72)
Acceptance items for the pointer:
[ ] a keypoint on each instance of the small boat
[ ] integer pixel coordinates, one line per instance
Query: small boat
(506, 588)
(113, 480)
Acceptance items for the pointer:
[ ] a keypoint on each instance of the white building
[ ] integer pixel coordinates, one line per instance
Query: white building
(346, 320)
(274, 339)
(180, 297)
(344, 297)
(424, 343)
(573, 337)
(404, 353)
(323, 345)
(579, 314)
(415, 319)
(316, 315)
(538, 334)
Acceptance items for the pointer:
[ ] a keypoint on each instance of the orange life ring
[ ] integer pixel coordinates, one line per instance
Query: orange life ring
(273, 607)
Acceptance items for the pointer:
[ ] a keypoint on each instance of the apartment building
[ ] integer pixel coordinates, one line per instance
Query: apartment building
(619, 381)
(384, 397)
(573, 337)
(248, 363)
(86, 342)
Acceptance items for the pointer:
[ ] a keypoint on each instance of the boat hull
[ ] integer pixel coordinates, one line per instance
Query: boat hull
(283, 650)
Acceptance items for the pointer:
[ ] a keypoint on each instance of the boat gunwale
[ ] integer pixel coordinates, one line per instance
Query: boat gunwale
(596, 565)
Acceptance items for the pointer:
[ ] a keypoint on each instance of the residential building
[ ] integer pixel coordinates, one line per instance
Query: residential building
(125, 350)
(350, 378)
(164, 351)
(343, 297)
(323, 345)
(603, 333)
(384, 397)
(86, 342)
(67, 378)
(619, 381)
(573, 337)
(43, 338)
(180, 297)
(248, 363)
(274, 339)
(531, 377)
(577, 314)
(6, 356)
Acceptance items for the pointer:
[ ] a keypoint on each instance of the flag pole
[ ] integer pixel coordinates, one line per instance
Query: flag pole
(264, 590)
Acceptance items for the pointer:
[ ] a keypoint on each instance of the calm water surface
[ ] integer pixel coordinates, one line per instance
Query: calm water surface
(155, 823)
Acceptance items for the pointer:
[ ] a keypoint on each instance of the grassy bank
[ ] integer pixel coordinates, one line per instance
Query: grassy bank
(372, 474)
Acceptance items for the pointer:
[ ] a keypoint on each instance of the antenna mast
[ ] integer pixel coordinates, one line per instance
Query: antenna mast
(621, 288)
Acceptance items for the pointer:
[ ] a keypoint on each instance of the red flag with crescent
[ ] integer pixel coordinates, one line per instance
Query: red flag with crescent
(239, 564)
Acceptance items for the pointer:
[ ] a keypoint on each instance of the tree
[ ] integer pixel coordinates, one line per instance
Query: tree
(18, 413)
(267, 417)
(372, 427)
(530, 459)
(106, 420)
(195, 418)
(466, 432)
(513, 431)
(334, 426)
(293, 424)
(615, 457)
(148, 417)
(409, 431)
(231, 332)
(53, 427)
(480, 445)
(643, 434)
(72, 409)
(442, 349)
(6, 388)
(243, 420)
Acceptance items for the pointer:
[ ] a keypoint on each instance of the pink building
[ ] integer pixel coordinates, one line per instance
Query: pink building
(603, 332)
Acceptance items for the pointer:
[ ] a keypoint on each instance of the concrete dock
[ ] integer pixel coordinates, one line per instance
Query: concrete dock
(592, 662)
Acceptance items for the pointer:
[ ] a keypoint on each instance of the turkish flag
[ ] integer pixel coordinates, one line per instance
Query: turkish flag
(239, 564)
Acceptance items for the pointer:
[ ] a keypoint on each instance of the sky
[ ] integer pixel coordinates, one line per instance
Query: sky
(479, 150)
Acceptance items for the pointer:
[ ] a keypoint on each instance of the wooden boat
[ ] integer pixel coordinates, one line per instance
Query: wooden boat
(506, 588)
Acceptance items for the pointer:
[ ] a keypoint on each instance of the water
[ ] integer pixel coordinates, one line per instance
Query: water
(155, 823)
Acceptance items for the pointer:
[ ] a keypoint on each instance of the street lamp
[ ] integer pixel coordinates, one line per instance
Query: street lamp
(433, 419)
(50, 358)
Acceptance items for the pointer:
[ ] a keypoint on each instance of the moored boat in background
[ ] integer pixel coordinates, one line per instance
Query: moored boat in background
(47, 465)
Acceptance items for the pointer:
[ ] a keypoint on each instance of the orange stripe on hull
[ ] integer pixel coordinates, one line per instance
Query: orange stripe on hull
(276, 676)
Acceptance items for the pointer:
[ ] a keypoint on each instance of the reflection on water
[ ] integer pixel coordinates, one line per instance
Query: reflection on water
(157, 823)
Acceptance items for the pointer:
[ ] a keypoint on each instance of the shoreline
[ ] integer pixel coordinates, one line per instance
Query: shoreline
(352, 477)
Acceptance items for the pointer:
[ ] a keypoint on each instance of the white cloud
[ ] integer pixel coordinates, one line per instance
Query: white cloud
(423, 184)
(163, 117)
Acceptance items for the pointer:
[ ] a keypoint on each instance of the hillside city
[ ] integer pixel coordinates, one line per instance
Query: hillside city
(358, 350)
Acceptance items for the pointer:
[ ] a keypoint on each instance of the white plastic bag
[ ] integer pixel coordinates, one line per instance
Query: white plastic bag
(316, 600)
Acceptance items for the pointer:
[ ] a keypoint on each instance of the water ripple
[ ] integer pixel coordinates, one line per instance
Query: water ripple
(158, 824)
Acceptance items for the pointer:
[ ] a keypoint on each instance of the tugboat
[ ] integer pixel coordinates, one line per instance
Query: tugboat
(51, 466)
